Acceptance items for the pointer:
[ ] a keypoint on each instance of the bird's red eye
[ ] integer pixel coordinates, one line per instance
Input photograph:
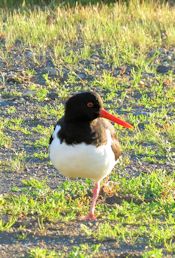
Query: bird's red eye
(90, 104)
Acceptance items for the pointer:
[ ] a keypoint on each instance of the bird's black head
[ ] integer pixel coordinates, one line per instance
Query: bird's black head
(83, 106)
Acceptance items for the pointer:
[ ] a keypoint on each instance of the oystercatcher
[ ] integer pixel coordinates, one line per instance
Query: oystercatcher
(83, 143)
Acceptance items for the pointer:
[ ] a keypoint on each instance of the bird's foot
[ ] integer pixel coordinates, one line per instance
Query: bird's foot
(90, 216)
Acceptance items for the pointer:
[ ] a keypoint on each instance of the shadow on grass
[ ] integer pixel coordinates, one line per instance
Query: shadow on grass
(56, 241)
(23, 4)
(15, 4)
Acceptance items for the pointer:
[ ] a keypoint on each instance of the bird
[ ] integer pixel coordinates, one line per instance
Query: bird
(84, 144)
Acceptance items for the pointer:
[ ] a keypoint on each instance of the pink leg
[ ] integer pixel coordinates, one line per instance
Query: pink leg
(96, 191)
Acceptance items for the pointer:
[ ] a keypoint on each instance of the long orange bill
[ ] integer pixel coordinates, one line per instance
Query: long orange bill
(105, 114)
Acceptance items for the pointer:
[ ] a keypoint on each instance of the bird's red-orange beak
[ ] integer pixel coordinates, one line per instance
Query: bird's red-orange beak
(105, 114)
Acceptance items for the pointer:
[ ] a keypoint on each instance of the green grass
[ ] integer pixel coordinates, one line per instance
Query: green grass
(147, 217)
(132, 28)
(39, 252)
(91, 47)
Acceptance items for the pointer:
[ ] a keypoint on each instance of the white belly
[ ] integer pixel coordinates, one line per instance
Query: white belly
(82, 160)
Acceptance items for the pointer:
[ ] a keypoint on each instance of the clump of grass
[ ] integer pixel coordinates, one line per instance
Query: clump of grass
(153, 253)
(41, 252)
(5, 140)
(17, 164)
(77, 251)
(40, 93)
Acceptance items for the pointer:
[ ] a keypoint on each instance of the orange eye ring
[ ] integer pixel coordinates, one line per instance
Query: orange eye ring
(90, 104)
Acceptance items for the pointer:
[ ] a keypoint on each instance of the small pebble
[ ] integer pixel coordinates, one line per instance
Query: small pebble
(163, 69)
(51, 71)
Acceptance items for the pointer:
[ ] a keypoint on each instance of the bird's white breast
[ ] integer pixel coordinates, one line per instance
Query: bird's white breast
(82, 160)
